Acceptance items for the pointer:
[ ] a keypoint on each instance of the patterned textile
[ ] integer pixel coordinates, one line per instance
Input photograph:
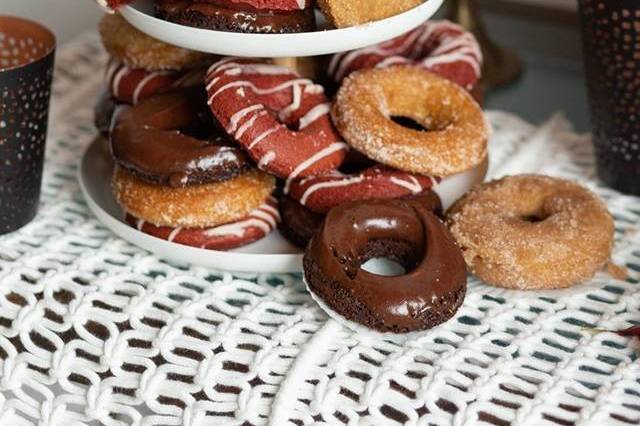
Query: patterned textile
(96, 331)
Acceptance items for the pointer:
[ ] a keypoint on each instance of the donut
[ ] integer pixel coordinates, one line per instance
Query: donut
(299, 222)
(197, 206)
(257, 225)
(441, 47)
(103, 112)
(321, 193)
(249, 16)
(146, 140)
(532, 232)
(138, 50)
(456, 133)
(405, 231)
(131, 85)
(280, 119)
(348, 13)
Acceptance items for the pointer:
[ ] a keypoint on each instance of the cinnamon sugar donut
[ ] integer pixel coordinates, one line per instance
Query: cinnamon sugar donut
(138, 50)
(197, 206)
(456, 133)
(532, 232)
(254, 227)
(442, 47)
(348, 13)
(279, 118)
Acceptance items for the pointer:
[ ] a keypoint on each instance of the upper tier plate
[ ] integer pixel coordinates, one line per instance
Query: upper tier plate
(323, 42)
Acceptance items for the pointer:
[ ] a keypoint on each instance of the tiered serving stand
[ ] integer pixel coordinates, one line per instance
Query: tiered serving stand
(272, 254)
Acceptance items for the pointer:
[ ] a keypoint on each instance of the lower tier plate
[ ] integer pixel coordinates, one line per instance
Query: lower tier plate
(270, 255)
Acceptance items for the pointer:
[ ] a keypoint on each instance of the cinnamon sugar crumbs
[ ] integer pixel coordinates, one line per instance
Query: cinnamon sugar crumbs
(618, 272)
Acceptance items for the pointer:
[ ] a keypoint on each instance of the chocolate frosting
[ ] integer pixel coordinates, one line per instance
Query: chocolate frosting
(405, 231)
(234, 17)
(148, 140)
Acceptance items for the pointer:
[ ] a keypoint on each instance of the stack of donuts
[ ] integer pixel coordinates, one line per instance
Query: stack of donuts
(271, 16)
(217, 153)
(210, 152)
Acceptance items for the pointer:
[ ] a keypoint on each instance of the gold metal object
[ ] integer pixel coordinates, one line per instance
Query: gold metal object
(501, 66)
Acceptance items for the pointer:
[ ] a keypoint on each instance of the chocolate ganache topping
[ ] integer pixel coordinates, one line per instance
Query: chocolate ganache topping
(234, 16)
(405, 231)
(150, 140)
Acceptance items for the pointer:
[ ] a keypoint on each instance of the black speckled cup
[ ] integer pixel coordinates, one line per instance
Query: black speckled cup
(611, 39)
(26, 69)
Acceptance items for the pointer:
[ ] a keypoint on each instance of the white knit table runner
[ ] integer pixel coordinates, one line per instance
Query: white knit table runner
(96, 331)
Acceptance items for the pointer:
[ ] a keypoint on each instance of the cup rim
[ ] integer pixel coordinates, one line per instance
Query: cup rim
(47, 33)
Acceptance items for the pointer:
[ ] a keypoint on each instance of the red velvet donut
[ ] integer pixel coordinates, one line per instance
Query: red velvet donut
(132, 85)
(256, 226)
(442, 47)
(281, 119)
(321, 193)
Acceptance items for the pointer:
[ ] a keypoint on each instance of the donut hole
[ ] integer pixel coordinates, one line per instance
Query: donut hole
(408, 122)
(389, 257)
(535, 216)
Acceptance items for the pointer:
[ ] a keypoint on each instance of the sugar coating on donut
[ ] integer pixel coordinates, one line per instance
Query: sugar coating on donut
(532, 232)
(321, 193)
(197, 206)
(258, 224)
(281, 119)
(456, 135)
(347, 13)
(138, 50)
(442, 47)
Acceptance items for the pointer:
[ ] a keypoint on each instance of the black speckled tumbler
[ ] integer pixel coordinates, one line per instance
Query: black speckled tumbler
(26, 68)
(611, 38)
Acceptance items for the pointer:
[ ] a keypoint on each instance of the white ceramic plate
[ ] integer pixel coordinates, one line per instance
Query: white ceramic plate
(322, 42)
(272, 254)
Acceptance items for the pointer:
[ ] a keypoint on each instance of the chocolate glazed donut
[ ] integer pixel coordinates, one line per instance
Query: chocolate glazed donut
(299, 223)
(148, 140)
(402, 230)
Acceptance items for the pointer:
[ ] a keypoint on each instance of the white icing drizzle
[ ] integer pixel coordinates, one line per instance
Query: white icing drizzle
(174, 234)
(235, 118)
(262, 136)
(140, 86)
(257, 90)
(413, 185)
(313, 114)
(325, 152)
(266, 217)
(328, 184)
(115, 83)
(239, 228)
(286, 112)
(268, 157)
(249, 123)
